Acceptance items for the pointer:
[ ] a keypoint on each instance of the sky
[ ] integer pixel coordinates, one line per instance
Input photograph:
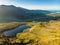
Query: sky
(34, 4)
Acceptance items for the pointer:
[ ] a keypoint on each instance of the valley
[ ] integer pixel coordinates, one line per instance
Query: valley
(20, 26)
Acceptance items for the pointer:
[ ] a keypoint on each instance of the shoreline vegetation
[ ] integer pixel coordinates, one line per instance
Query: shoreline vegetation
(40, 33)
(9, 26)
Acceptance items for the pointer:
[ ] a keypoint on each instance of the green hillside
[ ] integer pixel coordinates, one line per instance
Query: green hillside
(10, 13)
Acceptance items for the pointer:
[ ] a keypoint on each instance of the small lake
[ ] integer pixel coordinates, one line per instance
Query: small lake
(15, 31)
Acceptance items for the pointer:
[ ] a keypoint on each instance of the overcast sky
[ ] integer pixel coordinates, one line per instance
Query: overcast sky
(34, 4)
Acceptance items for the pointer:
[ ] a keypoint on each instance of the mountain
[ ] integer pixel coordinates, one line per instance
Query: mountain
(10, 13)
(41, 11)
(55, 11)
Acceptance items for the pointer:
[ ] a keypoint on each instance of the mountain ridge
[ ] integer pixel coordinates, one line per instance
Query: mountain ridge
(22, 14)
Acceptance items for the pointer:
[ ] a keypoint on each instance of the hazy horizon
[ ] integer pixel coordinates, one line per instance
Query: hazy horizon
(33, 4)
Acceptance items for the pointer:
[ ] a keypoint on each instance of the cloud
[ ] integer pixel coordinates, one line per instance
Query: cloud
(29, 6)
(6, 2)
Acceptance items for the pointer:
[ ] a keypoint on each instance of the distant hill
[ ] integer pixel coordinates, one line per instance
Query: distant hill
(55, 11)
(41, 11)
(12, 13)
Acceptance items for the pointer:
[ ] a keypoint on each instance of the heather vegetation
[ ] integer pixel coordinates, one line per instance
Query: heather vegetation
(20, 26)
(40, 33)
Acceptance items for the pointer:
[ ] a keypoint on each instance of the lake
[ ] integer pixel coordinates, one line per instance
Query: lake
(15, 31)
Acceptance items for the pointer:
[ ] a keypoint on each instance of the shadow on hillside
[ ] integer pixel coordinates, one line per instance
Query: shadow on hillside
(10, 13)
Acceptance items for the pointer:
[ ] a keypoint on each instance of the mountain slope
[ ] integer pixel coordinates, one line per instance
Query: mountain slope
(12, 13)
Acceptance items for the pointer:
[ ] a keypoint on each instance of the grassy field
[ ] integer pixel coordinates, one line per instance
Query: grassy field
(9, 26)
(40, 33)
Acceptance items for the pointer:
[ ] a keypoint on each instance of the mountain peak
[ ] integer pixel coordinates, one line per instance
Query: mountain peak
(7, 5)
